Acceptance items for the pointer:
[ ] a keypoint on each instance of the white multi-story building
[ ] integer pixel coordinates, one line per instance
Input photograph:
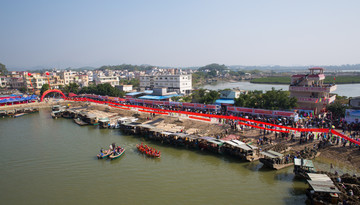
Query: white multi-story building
(101, 79)
(125, 88)
(90, 76)
(37, 81)
(3, 81)
(68, 76)
(173, 83)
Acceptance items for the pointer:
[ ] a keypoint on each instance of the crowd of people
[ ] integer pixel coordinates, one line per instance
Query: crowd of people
(304, 120)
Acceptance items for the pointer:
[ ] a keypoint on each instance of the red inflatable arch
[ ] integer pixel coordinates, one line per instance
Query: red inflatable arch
(51, 91)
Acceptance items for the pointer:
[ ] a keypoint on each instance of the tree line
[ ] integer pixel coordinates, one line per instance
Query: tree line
(271, 100)
(100, 89)
(3, 70)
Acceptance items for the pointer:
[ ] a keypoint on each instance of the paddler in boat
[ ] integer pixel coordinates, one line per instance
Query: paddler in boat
(115, 152)
(102, 152)
(112, 146)
(118, 149)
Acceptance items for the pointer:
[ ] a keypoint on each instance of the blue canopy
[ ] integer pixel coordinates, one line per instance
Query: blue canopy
(225, 101)
(33, 97)
(155, 97)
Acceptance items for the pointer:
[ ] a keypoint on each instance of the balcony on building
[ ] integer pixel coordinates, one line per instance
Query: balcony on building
(317, 100)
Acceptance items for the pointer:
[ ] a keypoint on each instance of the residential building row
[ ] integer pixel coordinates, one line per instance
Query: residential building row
(175, 80)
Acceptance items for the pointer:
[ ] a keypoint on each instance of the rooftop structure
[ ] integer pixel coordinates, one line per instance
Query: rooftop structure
(310, 91)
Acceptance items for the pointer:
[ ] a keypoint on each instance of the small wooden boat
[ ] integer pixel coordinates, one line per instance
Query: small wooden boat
(55, 114)
(105, 154)
(118, 155)
(302, 167)
(275, 160)
(19, 114)
(80, 122)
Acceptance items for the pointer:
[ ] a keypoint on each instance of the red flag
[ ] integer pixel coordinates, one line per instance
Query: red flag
(29, 74)
(334, 77)
(47, 73)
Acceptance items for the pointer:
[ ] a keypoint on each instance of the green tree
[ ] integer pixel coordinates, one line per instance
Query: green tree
(102, 89)
(44, 88)
(202, 96)
(71, 88)
(3, 70)
(210, 97)
(272, 100)
(337, 109)
(176, 98)
(133, 81)
(186, 98)
(23, 89)
(198, 95)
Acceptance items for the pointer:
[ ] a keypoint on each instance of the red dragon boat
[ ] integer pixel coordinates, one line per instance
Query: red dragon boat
(148, 151)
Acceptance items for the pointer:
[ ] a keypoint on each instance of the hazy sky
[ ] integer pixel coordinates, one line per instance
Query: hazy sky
(178, 33)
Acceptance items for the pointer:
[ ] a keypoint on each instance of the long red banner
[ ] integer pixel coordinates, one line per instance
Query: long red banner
(163, 111)
(345, 137)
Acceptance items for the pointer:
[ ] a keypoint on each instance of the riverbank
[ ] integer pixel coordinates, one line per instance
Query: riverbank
(336, 154)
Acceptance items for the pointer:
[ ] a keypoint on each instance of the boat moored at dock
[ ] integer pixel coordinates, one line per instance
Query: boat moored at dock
(302, 167)
(80, 122)
(275, 160)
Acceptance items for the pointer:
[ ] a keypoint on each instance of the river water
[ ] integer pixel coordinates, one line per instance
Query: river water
(47, 161)
(349, 90)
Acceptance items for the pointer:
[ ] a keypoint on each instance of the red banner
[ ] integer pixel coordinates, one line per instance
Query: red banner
(158, 102)
(263, 112)
(211, 107)
(230, 108)
(199, 118)
(188, 104)
(197, 105)
(345, 137)
(284, 113)
(263, 128)
(246, 110)
(148, 102)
